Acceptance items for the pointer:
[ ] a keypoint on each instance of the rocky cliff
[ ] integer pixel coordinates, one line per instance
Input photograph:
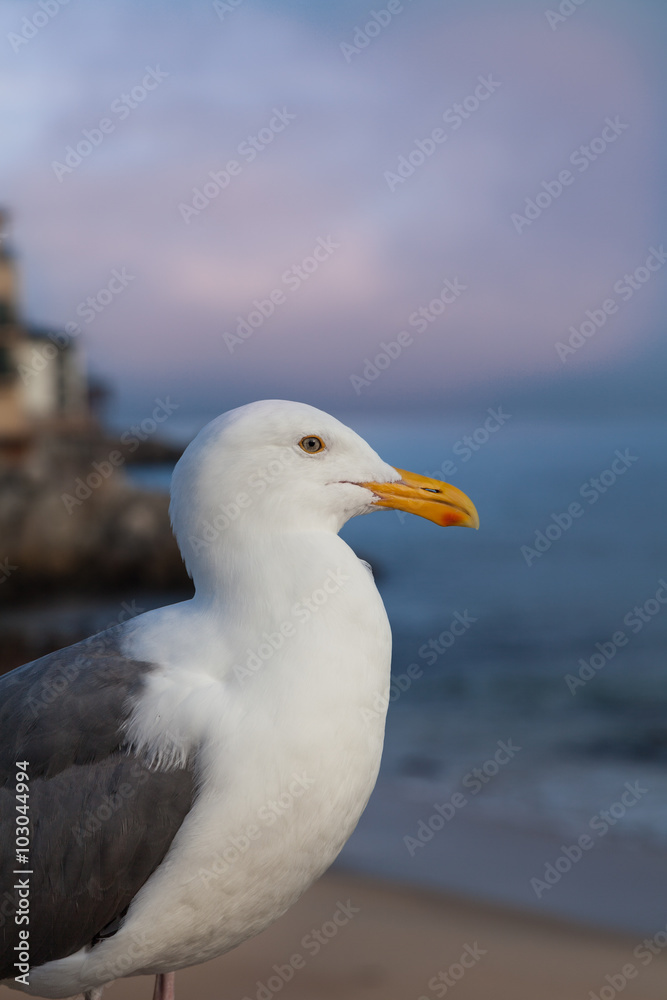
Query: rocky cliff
(70, 519)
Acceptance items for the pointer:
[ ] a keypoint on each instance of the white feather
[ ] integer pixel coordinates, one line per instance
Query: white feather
(256, 519)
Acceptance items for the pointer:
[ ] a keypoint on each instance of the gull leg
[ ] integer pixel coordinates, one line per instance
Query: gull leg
(165, 986)
(94, 994)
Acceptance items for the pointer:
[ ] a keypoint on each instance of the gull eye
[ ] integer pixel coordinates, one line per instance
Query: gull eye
(311, 444)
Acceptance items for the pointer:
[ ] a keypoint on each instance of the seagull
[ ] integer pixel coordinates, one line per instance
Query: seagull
(187, 774)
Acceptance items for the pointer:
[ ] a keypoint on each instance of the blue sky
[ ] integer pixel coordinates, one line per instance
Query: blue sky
(362, 174)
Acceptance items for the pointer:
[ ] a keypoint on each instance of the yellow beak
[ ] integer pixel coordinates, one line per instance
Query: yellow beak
(439, 502)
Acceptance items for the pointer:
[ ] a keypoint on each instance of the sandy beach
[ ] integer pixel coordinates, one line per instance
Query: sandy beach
(352, 938)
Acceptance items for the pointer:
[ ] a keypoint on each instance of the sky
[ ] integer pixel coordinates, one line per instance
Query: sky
(261, 197)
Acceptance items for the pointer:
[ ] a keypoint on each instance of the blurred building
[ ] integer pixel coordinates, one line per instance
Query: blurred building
(43, 385)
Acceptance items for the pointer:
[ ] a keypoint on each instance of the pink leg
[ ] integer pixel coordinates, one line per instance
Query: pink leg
(165, 986)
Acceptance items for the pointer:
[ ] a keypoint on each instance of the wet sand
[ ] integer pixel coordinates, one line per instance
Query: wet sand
(352, 938)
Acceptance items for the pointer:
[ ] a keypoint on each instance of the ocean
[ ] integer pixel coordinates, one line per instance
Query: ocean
(529, 695)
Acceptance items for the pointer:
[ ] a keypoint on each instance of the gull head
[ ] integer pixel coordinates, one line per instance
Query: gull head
(280, 466)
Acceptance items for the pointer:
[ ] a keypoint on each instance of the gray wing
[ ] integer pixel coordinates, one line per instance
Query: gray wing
(100, 821)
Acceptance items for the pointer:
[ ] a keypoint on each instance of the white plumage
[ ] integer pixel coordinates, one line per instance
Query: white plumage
(269, 679)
